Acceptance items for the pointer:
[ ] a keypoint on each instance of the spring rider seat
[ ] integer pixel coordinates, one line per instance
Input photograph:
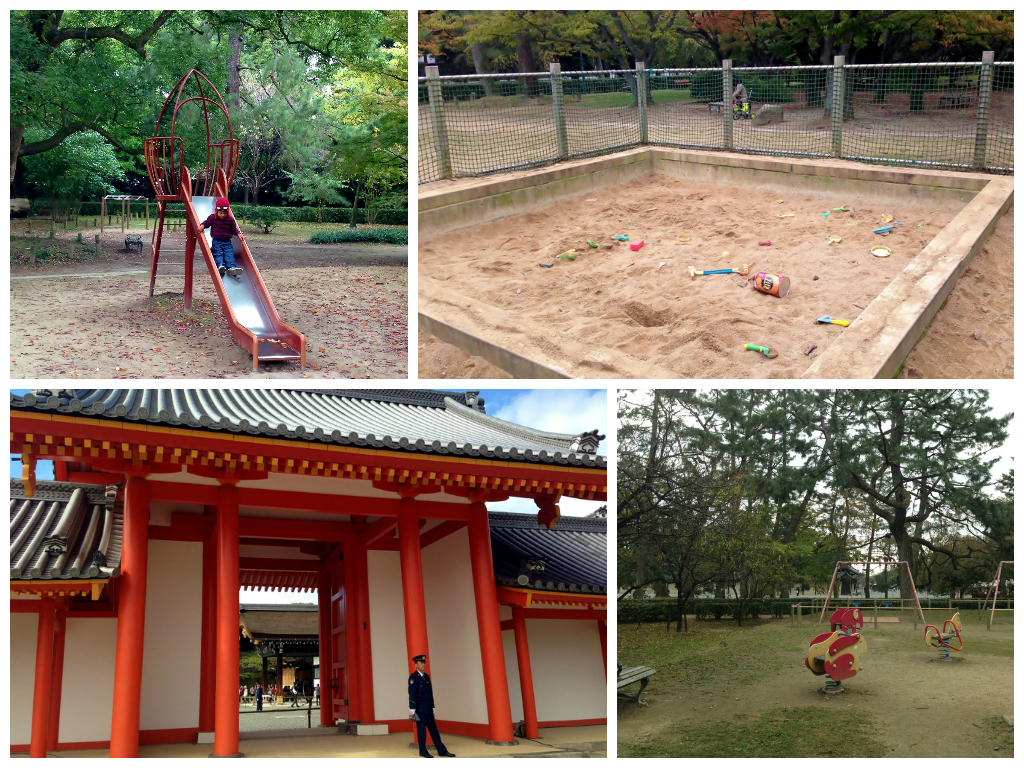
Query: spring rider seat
(836, 654)
(942, 640)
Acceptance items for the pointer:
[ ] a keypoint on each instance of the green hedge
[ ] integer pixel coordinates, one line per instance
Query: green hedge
(661, 609)
(305, 213)
(365, 235)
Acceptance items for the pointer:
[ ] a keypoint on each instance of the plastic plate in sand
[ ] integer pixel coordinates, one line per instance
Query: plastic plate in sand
(835, 239)
(881, 251)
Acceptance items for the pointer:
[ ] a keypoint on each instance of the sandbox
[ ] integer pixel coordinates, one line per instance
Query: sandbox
(616, 313)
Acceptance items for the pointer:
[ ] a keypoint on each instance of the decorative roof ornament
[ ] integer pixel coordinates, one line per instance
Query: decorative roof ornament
(586, 442)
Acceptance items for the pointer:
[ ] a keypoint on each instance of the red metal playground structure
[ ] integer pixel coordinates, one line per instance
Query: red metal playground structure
(248, 308)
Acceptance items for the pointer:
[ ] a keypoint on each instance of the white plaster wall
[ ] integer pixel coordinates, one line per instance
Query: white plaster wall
(387, 636)
(173, 639)
(87, 694)
(456, 667)
(23, 673)
(568, 675)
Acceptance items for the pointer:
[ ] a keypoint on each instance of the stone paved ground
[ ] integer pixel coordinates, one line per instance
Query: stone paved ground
(275, 718)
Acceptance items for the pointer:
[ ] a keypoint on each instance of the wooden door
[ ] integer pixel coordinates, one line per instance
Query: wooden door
(339, 639)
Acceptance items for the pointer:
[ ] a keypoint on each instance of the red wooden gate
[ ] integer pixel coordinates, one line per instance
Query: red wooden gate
(339, 640)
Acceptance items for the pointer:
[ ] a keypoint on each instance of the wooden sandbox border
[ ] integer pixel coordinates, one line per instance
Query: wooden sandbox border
(876, 343)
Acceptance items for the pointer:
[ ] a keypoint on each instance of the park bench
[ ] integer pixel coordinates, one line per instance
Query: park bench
(717, 104)
(957, 101)
(133, 241)
(630, 675)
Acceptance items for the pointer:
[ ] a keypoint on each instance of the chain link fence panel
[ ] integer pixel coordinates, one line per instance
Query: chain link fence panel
(943, 116)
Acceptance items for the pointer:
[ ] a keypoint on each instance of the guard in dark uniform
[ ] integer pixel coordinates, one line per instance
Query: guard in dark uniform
(421, 708)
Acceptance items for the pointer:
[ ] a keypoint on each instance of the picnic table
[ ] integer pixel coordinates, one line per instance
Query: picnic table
(630, 675)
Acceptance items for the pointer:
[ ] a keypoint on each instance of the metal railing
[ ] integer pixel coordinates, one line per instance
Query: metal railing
(955, 116)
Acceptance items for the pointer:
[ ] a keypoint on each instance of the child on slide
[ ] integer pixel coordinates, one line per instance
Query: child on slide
(222, 226)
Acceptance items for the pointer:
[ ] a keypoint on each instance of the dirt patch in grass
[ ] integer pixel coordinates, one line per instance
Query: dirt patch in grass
(721, 680)
(784, 732)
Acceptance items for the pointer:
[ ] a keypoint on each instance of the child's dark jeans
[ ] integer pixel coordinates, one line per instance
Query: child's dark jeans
(223, 253)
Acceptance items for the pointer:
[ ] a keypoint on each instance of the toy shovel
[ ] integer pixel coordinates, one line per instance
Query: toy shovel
(828, 319)
(766, 351)
(743, 270)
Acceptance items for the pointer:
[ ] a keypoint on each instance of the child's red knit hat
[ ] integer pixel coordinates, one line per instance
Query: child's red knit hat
(222, 202)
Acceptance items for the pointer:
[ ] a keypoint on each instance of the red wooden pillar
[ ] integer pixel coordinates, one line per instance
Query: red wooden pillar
(225, 740)
(131, 620)
(56, 678)
(44, 669)
(208, 647)
(602, 629)
(362, 629)
(355, 673)
(412, 582)
(525, 674)
(499, 711)
(325, 625)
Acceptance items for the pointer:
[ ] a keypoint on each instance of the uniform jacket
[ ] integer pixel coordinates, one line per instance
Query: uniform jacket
(222, 229)
(421, 693)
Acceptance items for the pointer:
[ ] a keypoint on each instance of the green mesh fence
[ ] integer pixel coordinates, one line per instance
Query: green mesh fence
(945, 116)
(999, 145)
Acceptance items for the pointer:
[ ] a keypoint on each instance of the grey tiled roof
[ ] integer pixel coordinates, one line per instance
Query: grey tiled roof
(279, 621)
(65, 531)
(412, 420)
(574, 554)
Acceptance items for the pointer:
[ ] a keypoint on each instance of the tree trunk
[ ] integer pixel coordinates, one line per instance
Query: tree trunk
(480, 65)
(17, 132)
(527, 64)
(234, 82)
(355, 203)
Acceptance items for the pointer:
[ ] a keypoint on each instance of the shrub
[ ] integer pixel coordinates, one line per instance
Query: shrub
(365, 235)
(265, 218)
(719, 609)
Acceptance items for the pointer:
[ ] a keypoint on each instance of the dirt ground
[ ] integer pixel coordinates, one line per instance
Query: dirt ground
(615, 313)
(972, 335)
(90, 317)
(921, 707)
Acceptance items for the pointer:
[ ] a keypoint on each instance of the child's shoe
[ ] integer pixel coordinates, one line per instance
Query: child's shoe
(222, 269)
(235, 271)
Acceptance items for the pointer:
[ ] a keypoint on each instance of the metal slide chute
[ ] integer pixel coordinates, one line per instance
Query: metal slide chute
(248, 308)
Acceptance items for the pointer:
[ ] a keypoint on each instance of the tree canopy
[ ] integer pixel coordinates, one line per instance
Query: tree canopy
(755, 490)
(285, 75)
(494, 41)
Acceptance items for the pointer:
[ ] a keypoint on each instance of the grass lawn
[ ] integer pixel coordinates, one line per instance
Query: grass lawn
(727, 691)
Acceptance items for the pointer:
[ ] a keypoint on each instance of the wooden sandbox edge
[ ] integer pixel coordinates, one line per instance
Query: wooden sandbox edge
(877, 344)
(509, 361)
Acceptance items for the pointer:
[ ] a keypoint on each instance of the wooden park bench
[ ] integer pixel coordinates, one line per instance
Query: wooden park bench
(955, 101)
(133, 241)
(630, 675)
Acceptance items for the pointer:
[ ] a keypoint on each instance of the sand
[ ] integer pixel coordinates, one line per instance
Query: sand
(972, 335)
(615, 313)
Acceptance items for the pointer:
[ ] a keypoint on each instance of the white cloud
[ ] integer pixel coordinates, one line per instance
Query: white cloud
(569, 507)
(559, 410)
(260, 597)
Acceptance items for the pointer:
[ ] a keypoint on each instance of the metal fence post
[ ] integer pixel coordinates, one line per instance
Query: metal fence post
(434, 95)
(641, 98)
(984, 104)
(558, 105)
(838, 106)
(727, 103)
